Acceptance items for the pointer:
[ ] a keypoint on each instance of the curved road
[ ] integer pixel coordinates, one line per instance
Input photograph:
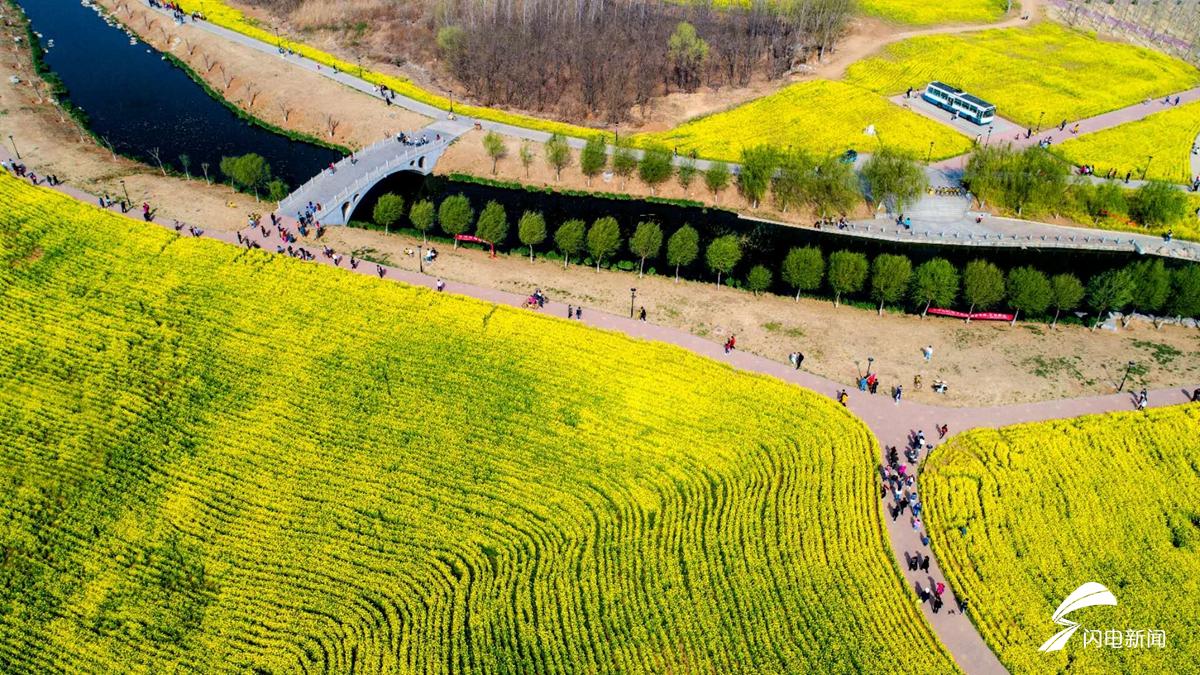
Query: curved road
(891, 423)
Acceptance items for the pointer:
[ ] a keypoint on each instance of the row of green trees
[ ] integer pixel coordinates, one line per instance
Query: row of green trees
(251, 173)
(1032, 181)
(889, 279)
(793, 177)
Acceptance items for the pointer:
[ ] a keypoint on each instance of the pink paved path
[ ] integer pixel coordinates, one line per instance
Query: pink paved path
(1090, 125)
(891, 423)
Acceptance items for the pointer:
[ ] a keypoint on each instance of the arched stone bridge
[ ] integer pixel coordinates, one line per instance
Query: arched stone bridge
(339, 191)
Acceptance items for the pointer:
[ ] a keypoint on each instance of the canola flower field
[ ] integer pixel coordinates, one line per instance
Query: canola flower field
(1022, 516)
(820, 116)
(1025, 72)
(924, 13)
(1166, 136)
(220, 460)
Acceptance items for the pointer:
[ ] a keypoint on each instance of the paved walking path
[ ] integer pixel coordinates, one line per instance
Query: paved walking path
(964, 231)
(891, 423)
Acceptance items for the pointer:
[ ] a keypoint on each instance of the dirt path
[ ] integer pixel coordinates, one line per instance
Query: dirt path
(892, 423)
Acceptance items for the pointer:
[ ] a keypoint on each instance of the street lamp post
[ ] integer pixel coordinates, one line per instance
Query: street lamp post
(929, 156)
(989, 136)
(1039, 124)
(632, 297)
(14, 144)
(1149, 158)
(870, 362)
(1128, 367)
(127, 199)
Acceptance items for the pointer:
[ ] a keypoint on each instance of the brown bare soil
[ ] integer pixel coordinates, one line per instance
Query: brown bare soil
(269, 88)
(983, 363)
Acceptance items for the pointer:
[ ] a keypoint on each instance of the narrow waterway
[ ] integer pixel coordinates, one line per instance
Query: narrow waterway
(139, 102)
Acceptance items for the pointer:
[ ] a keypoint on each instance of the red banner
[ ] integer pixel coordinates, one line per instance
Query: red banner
(976, 316)
(476, 240)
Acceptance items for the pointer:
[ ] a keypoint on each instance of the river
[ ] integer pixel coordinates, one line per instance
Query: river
(138, 101)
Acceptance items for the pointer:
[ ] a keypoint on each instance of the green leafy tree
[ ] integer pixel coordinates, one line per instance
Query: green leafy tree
(935, 282)
(603, 239)
(847, 273)
(1029, 180)
(1028, 291)
(645, 243)
(686, 173)
(455, 215)
(570, 239)
(982, 285)
(804, 269)
(558, 154)
(723, 254)
(526, 156)
(895, 179)
(531, 230)
(793, 183)
(1185, 292)
(1100, 200)
(759, 279)
(249, 172)
(758, 166)
(493, 223)
(1109, 291)
(682, 248)
(686, 52)
(889, 278)
(1158, 203)
(716, 178)
(1151, 287)
(421, 215)
(833, 188)
(1066, 292)
(277, 190)
(593, 159)
(493, 144)
(388, 210)
(655, 167)
(624, 162)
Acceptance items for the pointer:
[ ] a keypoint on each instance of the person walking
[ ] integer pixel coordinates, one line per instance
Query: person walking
(642, 313)
(898, 393)
(440, 285)
(928, 352)
(579, 313)
(570, 311)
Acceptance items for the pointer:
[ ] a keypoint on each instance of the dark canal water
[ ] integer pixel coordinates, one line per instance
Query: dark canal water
(138, 101)
(763, 243)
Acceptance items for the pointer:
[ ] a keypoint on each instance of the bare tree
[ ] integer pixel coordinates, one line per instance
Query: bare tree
(252, 91)
(154, 152)
(108, 144)
(204, 168)
(331, 124)
(283, 108)
(227, 78)
(209, 62)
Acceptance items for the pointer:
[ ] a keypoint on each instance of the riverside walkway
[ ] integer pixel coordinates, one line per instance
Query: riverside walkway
(891, 423)
(963, 231)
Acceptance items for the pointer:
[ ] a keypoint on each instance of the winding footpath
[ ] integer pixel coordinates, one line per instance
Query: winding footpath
(891, 423)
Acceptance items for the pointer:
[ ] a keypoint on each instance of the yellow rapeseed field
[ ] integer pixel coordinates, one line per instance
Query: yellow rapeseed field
(821, 116)
(925, 13)
(1023, 516)
(1026, 72)
(220, 460)
(1166, 136)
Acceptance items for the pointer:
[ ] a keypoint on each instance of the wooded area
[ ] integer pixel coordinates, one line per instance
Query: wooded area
(601, 58)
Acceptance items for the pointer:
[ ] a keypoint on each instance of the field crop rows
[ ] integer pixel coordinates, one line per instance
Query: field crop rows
(924, 13)
(1113, 499)
(1025, 72)
(1166, 136)
(820, 116)
(224, 460)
